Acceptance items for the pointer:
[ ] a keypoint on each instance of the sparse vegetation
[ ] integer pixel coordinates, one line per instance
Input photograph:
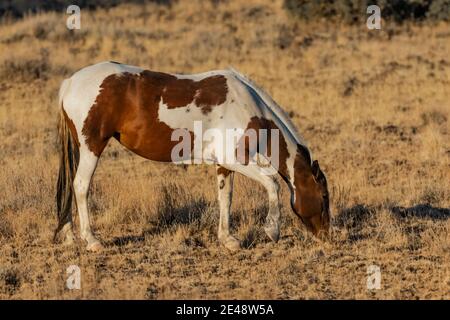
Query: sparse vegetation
(373, 106)
(352, 11)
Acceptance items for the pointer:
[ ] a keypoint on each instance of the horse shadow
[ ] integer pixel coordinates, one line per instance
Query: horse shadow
(195, 212)
(413, 231)
(167, 217)
(254, 221)
(125, 240)
(354, 219)
(360, 213)
(421, 211)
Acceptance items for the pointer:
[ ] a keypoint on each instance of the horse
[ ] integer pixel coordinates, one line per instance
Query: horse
(143, 110)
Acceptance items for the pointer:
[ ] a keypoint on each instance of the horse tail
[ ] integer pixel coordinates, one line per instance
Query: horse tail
(68, 163)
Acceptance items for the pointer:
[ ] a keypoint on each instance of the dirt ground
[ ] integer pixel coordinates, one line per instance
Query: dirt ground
(374, 107)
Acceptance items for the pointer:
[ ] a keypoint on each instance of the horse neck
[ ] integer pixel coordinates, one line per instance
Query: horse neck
(297, 166)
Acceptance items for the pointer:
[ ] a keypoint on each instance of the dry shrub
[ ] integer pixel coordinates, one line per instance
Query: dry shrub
(28, 68)
(25, 69)
(18, 8)
(9, 280)
(352, 11)
(6, 230)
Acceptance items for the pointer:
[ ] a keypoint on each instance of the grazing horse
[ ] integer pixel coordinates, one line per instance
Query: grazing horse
(143, 110)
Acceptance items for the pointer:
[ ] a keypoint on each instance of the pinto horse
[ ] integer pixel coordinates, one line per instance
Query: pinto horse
(143, 109)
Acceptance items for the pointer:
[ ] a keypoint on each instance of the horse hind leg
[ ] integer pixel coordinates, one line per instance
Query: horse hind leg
(83, 177)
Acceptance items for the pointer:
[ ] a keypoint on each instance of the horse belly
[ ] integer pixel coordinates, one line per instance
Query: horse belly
(153, 143)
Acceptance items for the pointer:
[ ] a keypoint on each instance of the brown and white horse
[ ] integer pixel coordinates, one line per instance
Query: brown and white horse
(143, 110)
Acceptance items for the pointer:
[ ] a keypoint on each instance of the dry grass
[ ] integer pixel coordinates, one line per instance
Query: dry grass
(374, 107)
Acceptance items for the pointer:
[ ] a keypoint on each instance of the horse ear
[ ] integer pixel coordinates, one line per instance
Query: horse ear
(315, 168)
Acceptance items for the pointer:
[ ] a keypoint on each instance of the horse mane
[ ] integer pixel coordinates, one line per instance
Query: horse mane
(272, 106)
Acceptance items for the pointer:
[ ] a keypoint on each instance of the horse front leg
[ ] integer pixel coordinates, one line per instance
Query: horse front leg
(225, 193)
(272, 225)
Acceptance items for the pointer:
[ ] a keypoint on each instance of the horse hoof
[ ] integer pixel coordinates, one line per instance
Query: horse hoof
(94, 247)
(232, 243)
(273, 233)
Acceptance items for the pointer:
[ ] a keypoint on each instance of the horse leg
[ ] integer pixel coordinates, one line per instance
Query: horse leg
(272, 225)
(225, 193)
(86, 168)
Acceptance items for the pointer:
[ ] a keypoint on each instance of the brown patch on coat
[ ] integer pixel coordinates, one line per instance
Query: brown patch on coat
(257, 124)
(127, 109)
(206, 93)
(222, 171)
(71, 125)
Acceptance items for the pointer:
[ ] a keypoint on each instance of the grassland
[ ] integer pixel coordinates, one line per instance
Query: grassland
(374, 107)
